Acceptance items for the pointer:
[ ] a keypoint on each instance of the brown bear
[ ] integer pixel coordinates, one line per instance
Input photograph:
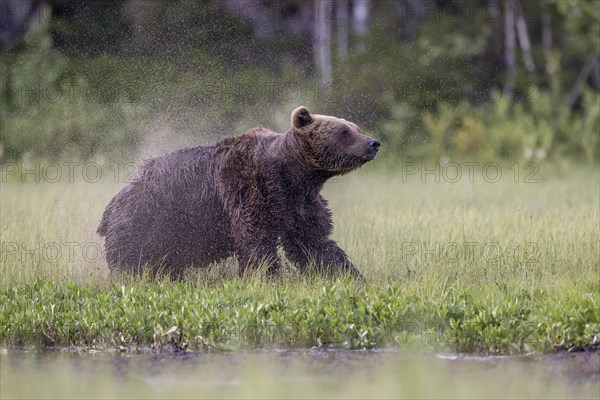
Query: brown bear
(246, 195)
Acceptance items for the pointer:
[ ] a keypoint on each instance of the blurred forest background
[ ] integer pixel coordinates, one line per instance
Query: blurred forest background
(433, 79)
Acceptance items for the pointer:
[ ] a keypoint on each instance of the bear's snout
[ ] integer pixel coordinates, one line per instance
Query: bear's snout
(374, 145)
(372, 149)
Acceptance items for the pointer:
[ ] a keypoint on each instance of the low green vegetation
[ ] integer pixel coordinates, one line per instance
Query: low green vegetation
(501, 267)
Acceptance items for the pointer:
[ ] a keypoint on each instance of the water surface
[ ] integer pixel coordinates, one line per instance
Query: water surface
(312, 373)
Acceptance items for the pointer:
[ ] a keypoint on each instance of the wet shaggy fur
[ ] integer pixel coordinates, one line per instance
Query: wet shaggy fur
(246, 196)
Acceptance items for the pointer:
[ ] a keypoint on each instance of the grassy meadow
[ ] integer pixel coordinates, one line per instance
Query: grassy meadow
(473, 265)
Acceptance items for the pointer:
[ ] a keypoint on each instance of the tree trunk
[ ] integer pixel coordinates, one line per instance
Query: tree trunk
(546, 26)
(524, 39)
(322, 42)
(596, 74)
(412, 13)
(509, 46)
(585, 72)
(16, 17)
(547, 41)
(360, 21)
(341, 12)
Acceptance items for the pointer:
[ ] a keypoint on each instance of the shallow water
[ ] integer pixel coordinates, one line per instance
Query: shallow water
(313, 373)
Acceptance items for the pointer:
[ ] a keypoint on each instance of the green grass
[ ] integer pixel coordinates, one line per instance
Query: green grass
(499, 268)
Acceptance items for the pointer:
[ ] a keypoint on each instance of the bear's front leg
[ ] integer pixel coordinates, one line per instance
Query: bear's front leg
(326, 256)
(256, 247)
(254, 222)
(306, 240)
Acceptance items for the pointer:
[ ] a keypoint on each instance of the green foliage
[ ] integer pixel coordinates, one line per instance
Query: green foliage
(112, 107)
(121, 80)
(582, 22)
(238, 314)
(50, 111)
(501, 131)
(420, 74)
(438, 95)
(88, 28)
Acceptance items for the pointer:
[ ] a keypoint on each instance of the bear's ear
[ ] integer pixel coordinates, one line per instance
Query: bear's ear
(301, 117)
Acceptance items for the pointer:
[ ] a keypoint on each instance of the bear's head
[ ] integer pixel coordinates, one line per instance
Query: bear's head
(332, 144)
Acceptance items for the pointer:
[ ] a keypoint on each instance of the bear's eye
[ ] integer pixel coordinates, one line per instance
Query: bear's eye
(345, 133)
